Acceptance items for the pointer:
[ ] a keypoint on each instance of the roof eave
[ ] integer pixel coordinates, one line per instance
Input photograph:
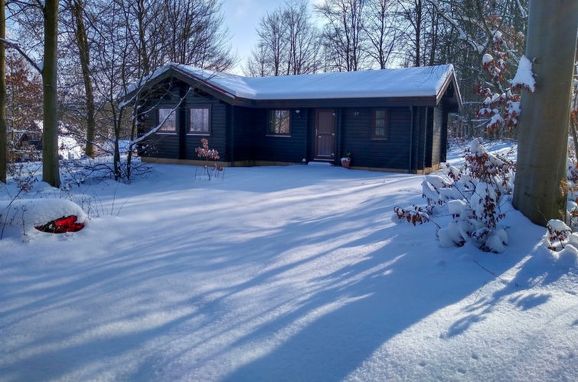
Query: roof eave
(451, 78)
(186, 77)
(338, 102)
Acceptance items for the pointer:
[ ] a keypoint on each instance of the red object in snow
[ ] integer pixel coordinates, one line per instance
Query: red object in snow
(62, 225)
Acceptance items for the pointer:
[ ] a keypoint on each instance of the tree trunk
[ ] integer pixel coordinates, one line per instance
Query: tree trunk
(418, 29)
(50, 169)
(3, 124)
(83, 51)
(543, 134)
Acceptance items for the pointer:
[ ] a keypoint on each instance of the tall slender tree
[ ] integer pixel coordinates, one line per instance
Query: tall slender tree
(81, 39)
(3, 124)
(50, 166)
(543, 133)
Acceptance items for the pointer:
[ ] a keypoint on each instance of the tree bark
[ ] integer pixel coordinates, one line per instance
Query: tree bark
(3, 124)
(543, 134)
(50, 166)
(84, 55)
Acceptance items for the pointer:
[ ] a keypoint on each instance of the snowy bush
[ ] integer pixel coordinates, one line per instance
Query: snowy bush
(416, 215)
(562, 242)
(472, 195)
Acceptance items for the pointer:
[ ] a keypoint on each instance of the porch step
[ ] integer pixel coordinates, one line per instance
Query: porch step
(320, 163)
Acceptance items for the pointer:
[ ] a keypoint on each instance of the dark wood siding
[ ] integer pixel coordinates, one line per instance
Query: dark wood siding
(437, 135)
(245, 129)
(356, 138)
(418, 139)
(182, 145)
(218, 125)
(429, 136)
(279, 148)
(444, 134)
(161, 145)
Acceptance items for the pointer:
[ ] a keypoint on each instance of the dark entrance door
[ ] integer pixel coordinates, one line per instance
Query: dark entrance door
(325, 134)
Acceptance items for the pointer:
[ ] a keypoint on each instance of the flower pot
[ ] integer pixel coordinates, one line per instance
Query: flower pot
(346, 162)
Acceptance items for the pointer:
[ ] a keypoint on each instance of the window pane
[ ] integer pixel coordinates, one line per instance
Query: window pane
(380, 124)
(279, 123)
(170, 125)
(199, 121)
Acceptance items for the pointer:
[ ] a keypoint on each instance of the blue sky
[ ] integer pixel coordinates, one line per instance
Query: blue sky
(241, 18)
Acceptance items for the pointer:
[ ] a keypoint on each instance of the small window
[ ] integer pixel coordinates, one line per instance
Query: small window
(169, 116)
(279, 123)
(199, 121)
(380, 124)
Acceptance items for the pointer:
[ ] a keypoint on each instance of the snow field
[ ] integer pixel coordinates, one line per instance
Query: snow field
(285, 274)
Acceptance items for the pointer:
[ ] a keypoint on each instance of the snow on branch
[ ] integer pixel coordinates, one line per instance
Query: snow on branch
(524, 76)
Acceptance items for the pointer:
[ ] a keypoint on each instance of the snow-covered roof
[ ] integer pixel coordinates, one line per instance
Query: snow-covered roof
(427, 81)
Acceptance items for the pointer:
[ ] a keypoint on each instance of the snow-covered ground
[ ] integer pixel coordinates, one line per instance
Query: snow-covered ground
(278, 274)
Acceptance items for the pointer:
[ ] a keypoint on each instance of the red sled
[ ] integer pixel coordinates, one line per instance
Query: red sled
(62, 225)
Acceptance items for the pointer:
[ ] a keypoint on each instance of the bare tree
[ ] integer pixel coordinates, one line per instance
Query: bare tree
(77, 10)
(272, 36)
(3, 122)
(48, 11)
(302, 39)
(113, 58)
(380, 31)
(288, 43)
(194, 34)
(50, 166)
(257, 65)
(343, 34)
(419, 19)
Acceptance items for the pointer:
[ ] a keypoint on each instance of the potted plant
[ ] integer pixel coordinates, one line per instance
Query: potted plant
(346, 160)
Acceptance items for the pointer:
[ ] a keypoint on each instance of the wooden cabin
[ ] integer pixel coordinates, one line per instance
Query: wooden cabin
(391, 119)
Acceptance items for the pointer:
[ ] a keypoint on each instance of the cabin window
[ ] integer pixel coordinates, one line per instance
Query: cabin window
(169, 116)
(380, 128)
(279, 123)
(199, 121)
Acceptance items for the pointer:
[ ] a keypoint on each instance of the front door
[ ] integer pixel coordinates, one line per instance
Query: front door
(325, 134)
